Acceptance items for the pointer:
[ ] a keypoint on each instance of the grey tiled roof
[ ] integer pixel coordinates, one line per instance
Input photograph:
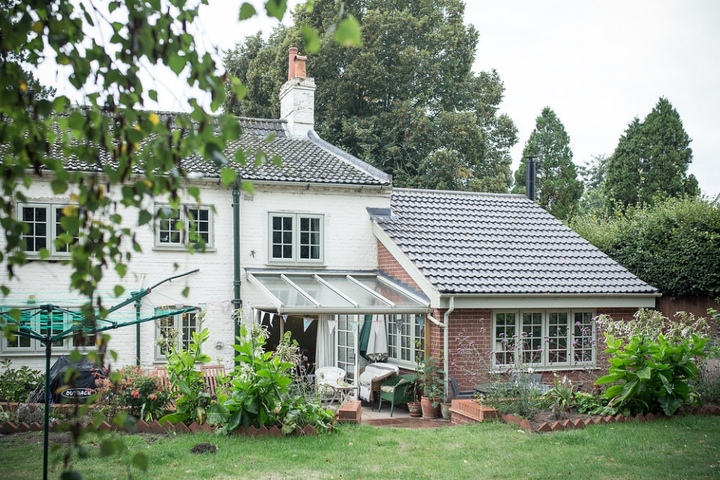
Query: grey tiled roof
(308, 160)
(473, 243)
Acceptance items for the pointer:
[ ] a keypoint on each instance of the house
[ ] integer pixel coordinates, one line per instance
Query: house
(325, 248)
(510, 286)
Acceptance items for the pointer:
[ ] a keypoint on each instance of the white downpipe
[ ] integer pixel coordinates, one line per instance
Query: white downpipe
(446, 340)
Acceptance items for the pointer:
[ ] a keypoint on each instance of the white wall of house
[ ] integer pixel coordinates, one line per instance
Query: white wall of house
(348, 244)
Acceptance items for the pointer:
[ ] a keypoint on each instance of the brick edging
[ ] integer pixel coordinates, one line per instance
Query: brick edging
(141, 426)
(561, 425)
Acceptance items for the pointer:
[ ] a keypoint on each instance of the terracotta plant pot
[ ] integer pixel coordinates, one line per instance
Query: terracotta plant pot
(415, 409)
(428, 411)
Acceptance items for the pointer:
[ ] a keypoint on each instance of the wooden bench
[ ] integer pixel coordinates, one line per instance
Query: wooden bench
(210, 377)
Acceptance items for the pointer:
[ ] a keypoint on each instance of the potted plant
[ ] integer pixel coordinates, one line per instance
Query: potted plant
(430, 378)
(414, 407)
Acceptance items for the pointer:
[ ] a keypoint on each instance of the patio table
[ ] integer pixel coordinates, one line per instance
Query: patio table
(341, 392)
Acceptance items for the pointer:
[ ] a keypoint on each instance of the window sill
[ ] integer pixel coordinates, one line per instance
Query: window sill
(181, 248)
(556, 368)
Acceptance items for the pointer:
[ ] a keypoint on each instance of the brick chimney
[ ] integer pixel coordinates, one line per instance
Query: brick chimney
(297, 97)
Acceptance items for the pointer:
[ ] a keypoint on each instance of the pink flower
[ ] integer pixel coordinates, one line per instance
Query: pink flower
(135, 394)
(153, 396)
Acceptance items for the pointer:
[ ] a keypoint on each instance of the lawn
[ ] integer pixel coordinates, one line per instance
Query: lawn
(682, 447)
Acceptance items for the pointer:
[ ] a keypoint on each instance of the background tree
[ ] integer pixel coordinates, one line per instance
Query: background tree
(594, 199)
(672, 245)
(651, 160)
(407, 101)
(557, 186)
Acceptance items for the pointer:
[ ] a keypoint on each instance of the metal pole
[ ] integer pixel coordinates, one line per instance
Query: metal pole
(137, 328)
(46, 421)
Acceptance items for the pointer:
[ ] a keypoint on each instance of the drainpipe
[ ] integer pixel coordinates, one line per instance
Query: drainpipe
(446, 339)
(237, 301)
(446, 342)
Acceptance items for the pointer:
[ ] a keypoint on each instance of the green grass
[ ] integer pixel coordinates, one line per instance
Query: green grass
(683, 447)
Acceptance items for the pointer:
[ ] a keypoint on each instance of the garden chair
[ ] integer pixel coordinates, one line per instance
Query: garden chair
(457, 393)
(397, 390)
(325, 377)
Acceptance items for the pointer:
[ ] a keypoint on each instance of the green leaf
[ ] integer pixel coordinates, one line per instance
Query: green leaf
(140, 460)
(247, 11)
(59, 186)
(609, 379)
(348, 33)
(144, 217)
(276, 8)
(310, 39)
(119, 290)
(644, 373)
(227, 175)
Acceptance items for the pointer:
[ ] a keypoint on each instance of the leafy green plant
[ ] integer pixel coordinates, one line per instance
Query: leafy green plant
(17, 384)
(142, 396)
(193, 402)
(591, 404)
(296, 412)
(520, 396)
(258, 383)
(561, 394)
(654, 375)
(430, 376)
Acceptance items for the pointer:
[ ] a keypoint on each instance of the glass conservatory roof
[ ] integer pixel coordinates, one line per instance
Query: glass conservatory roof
(335, 293)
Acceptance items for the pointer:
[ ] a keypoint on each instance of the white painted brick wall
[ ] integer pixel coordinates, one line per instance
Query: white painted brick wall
(349, 244)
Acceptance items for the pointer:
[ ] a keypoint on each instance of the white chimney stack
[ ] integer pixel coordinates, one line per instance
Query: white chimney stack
(297, 97)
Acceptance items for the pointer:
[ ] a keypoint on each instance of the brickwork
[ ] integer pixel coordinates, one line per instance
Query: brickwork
(390, 267)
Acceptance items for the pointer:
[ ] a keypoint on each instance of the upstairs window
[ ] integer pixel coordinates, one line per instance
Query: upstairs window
(186, 226)
(296, 238)
(45, 231)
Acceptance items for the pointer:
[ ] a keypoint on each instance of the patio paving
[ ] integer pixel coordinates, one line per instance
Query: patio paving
(401, 418)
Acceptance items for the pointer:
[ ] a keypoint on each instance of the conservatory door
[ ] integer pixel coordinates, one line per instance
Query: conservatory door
(346, 345)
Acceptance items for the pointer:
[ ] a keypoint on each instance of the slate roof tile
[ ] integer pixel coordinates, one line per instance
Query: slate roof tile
(307, 160)
(473, 243)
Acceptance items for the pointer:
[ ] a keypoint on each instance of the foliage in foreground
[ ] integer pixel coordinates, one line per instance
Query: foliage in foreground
(259, 392)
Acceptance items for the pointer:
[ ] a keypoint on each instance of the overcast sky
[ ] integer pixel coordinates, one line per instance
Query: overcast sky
(597, 63)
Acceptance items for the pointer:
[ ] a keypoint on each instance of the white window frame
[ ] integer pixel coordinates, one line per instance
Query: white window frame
(36, 347)
(523, 350)
(184, 331)
(295, 234)
(52, 223)
(405, 339)
(184, 216)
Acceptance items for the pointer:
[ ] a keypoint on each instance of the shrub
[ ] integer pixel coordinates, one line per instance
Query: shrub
(142, 396)
(260, 391)
(16, 385)
(521, 396)
(654, 375)
(194, 402)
